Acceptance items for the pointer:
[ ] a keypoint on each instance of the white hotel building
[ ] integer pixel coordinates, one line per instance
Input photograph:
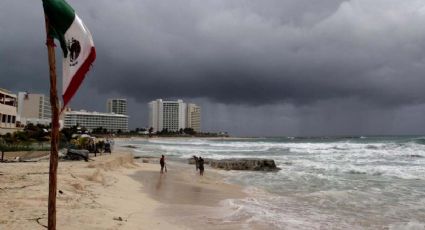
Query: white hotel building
(173, 115)
(118, 106)
(193, 117)
(34, 108)
(8, 112)
(92, 120)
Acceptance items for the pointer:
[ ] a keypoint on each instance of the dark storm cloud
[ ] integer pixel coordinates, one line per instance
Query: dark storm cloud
(303, 55)
(241, 52)
(264, 52)
(22, 51)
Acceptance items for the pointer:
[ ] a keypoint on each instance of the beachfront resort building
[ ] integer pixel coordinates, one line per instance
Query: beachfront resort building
(194, 117)
(173, 115)
(92, 120)
(8, 111)
(118, 106)
(170, 115)
(34, 108)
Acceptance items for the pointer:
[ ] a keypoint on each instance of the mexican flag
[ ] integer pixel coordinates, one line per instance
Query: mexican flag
(76, 43)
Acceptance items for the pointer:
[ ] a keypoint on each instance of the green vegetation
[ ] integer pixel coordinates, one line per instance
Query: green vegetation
(31, 138)
(37, 137)
(100, 130)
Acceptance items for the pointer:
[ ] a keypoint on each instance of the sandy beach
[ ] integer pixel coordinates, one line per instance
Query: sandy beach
(115, 192)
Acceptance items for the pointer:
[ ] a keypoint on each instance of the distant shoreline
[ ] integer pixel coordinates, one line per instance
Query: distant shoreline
(183, 137)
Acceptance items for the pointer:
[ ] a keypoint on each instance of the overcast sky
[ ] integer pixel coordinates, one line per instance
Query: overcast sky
(256, 67)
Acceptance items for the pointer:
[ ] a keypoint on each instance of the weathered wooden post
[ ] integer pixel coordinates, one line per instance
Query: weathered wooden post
(51, 223)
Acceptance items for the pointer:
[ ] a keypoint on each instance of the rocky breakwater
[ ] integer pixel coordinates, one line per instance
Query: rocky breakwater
(250, 164)
(207, 161)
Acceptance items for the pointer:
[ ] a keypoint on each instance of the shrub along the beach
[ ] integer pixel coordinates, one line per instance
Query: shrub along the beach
(31, 138)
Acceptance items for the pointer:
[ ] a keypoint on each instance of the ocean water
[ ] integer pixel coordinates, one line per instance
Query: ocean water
(325, 183)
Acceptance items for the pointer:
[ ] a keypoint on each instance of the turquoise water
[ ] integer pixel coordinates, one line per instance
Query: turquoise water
(325, 182)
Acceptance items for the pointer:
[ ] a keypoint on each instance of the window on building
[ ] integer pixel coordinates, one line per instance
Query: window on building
(3, 118)
(8, 100)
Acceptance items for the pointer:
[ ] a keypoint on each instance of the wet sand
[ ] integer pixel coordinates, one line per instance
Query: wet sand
(183, 185)
(189, 199)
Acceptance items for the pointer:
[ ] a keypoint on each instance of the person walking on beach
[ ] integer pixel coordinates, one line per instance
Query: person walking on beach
(196, 162)
(162, 163)
(201, 166)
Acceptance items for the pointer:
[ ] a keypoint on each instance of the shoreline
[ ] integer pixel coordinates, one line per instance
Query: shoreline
(116, 192)
(181, 138)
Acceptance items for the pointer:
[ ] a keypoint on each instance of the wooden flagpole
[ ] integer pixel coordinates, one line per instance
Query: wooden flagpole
(51, 225)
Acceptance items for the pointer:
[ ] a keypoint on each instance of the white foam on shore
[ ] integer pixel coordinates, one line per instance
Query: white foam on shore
(411, 225)
(262, 208)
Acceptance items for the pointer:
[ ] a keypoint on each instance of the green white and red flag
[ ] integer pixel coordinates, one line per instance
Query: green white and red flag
(76, 43)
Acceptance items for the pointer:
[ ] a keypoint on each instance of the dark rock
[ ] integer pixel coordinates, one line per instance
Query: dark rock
(76, 155)
(206, 161)
(145, 156)
(250, 164)
(118, 218)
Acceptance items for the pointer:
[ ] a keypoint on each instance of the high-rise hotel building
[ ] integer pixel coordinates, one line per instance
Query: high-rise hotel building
(170, 115)
(34, 108)
(174, 115)
(117, 106)
(194, 117)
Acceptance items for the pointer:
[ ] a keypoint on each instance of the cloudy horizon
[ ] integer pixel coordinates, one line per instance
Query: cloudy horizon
(257, 68)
